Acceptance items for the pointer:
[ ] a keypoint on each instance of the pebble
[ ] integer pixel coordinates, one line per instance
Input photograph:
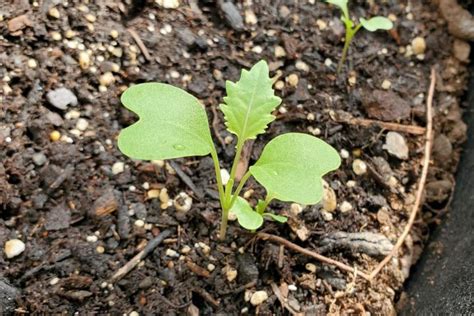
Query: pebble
(185, 250)
(54, 13)
(386, 84)
(310, 117)
(32, 63)
(396, 145)
(296, 209)
(171, 253)
(54, 281)
(168, 4)
(91, 18)
(329, 198)
(114, 34)
(322, 25)
(164, 197)
(344, 154)
(292, 80)
(461, 50)
(84, 60)
(311, 267)
(153, 194)
(100, 249)
(211, 267)
(106, 79)
(301, 65)
(54, 136)
(205, 248)
(328, 62)
(225, 176)
(292, 287)
(61, 98)
(92, 238)
(14, 247)
(133, 313)
(279, 85)
(56, 36)
(351, 184)
(250, 17)
(139, 223)
(258, 298)
(82, 124)
(327, 216)
(118, 167)
(359, 167)
(345, 207)
(279, 52)
(39, 159)
(231, 274)
(257, 49)
(183, 202)
(418, 45)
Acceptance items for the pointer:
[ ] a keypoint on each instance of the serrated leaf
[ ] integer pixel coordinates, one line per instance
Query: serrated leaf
(342, 4)
(275, 217)
(376, 23)
(291, 167)
(249, 102)
(247, 217)
(172, 123)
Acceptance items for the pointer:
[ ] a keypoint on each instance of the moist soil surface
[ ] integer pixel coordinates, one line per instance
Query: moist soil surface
(84, 210)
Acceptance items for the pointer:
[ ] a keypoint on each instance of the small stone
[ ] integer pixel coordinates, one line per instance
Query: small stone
(139, 223)
(225, 176)
(134, 313)
(211, 267)
(118, 167)
(114, 34)
(205, 248)
(359, 167)
(328, 62)
(106, 79)
(351, 184)
(344, 154)
(327, 216)
(171, 253)
(279, 85)
(311, 267)
(301, 65)
(70, 34)
(185, 250)
(250, 17)
(100, 249)
(292, 287)
(296, 209)
(153, 194)
(91, 18)
(392, 17)
(92, 238)
(258, 298)
(231, 274)
(386, 84)
(164, 197)
(183, 202)
(279, 52)
(418, 45)
(396, 145)
(54, 13)
(56, 36)
(82, 124)
(14, 247)
(84, 60)
(257, 49)
(303, 233)
(54, 281)
(310, 117)
(32, 63)
(217, 74)
(284, 11)
(345, 207)
(329, 198)
(168, 4)
(61, 98)
(39, 159)
(461, 50)
(352, 79)
(322, 25)
(54, 136)
(292, 80)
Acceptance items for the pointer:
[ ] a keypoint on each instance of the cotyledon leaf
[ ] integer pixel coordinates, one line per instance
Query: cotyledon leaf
(275, 217)
(376, 23)
(247, 217)
(291, 167)
(172, 123)
(249, 102)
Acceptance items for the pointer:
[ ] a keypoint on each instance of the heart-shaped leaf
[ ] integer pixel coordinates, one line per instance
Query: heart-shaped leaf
(376, 23)
(275, 217)
(172, 123)
(247, 217)
(249, 102)
(292, 165)
(342, 4)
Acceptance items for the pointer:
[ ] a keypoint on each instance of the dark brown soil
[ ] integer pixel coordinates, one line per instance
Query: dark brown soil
(78, 218)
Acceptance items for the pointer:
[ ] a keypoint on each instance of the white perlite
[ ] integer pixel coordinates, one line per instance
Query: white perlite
(258, 298)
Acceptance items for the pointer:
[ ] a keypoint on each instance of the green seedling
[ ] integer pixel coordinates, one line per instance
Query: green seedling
(173, 123)
(371, 25)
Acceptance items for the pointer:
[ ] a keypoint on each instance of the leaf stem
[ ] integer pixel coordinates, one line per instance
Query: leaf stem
(350, 32)
(239, 188)
(264, 206)
(238, 153)
(217, 168)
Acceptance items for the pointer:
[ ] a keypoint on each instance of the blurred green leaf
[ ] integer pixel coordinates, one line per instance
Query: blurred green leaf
(275, 217)
(376, 23)
(247, 217)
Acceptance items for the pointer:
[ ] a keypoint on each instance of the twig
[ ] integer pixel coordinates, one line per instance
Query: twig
(140, 44)
(410, 129)
(421, 184)
(283, 300)
(152, 244)
(238, 289)
(197, 269)
(313, 254)
(205, 295)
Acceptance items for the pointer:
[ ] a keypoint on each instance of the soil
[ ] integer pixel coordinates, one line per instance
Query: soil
(82, 214)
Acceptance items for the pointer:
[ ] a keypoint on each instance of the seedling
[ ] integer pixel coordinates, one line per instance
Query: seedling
(172, 124)
(371, 25)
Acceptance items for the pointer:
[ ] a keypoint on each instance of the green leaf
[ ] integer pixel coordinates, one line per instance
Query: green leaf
(172, 123)
(275, 217)
(376, 23)
(292, 165)
(247, 217)
(342, 4)
(249, 102)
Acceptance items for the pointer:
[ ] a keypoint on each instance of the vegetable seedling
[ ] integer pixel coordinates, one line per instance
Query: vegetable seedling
(173, 123)
(371, 25)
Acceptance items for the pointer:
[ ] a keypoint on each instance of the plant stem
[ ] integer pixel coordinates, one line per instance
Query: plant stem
(217, 168)
(267, 201)
(238, 153)
(344, 54)
(239, 188)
